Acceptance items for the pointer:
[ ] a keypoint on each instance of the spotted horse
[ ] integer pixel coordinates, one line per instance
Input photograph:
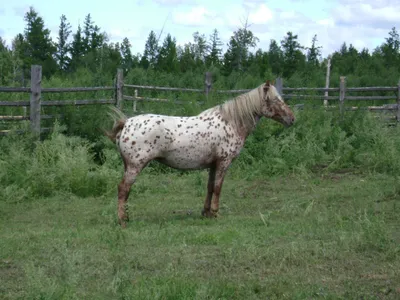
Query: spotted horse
(209, 140)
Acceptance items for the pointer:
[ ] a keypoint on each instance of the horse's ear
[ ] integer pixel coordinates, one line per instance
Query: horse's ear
(267, 85)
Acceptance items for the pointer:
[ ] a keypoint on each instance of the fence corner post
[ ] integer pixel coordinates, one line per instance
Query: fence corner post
(35, 105)
(398, 102)
(279, 85)
(208, 83)
(119, 89)
(342, 94)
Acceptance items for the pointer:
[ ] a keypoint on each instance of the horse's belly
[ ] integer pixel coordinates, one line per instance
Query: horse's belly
(187, 159)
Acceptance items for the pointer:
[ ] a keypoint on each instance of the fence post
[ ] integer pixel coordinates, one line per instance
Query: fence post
(328, 72)
(342, 94)
(398, 102)
(208, 83)
(135, 102)
(279, 85)
(119, 88)
(36, 83)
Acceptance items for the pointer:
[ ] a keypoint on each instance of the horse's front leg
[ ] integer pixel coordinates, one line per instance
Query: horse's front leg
(210, 189)
(220, 171)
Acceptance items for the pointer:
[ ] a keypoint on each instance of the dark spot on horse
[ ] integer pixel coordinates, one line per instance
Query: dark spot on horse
(155, 141)
(158, 122)
(162, 120)
(157, 136)
(179, 125)
(143, 132)
(133, 142)
(137, 156)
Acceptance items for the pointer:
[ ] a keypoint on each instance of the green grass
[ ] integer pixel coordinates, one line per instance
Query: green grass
(332, 236)
(307, 212)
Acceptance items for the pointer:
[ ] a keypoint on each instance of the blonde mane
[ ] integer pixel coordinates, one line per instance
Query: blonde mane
(243, 109)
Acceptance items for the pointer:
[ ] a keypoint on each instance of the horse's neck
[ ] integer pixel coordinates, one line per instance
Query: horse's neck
(245, 131)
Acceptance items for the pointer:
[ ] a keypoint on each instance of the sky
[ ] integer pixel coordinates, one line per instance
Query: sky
(363, 23)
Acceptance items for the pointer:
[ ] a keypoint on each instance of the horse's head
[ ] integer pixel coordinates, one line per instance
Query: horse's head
(274, 107)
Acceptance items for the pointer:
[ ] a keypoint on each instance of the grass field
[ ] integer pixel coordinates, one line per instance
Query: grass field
(311, 212)
(335, 236)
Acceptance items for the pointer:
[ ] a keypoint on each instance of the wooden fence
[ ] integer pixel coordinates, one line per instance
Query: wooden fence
(35, 90)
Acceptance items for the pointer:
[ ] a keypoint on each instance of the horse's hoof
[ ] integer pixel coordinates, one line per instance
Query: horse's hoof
(209, 213)
(123, 222)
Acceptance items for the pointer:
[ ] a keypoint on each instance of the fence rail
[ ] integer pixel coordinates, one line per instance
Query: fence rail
(289, 93)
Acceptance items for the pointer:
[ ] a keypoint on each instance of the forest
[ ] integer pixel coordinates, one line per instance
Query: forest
(88, 53)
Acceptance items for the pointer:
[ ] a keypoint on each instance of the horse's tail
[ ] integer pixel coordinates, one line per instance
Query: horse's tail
(119, 123)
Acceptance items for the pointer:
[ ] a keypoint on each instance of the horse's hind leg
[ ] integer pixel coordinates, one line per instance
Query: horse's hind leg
(210, 189)
(124, 188)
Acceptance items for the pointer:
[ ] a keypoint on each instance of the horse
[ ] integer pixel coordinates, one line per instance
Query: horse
(210, 140)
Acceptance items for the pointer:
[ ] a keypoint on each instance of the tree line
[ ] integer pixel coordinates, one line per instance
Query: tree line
(89, 48)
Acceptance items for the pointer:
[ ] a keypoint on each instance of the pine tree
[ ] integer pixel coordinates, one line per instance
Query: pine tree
(275, 58)
(314, 52)
(77, 49)
(215, 51)
(151, 49)
(239, 45)
(186, 58)
(390, 49)
(293, 57)
(18, 49)
(200, 48)
(96, 38)
(63, 46)
(167, 59)
(5, 63)
(127, 58)
(87, 33)
(39, 47)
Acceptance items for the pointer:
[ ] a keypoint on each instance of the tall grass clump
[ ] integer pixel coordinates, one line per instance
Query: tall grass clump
(322, 139)
(58, 163)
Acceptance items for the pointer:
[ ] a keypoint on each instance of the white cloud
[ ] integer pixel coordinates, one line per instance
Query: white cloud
(326, 22)
(173, 2)
(373, 14)
(196, 16)
(262, 15)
